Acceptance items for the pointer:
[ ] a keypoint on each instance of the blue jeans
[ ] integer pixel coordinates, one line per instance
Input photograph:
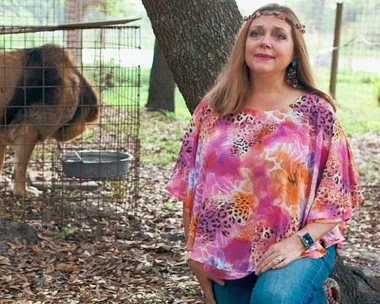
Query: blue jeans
(300, 282)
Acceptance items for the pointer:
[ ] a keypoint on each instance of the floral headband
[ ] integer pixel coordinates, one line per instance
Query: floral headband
(280, 15)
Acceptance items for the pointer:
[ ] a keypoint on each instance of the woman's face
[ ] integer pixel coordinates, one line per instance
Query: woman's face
(269, 47)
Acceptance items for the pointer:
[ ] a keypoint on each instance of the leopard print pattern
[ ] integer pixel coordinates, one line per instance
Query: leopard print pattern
(221, 215)
(309, 109)
(264, 234)
(226, 158)
(252, 132)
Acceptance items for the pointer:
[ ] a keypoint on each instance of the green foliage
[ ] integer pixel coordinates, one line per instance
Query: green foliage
(67, 231)
(32, 12)
(181, 110)
(161, 135)
(377, 88)
(88, 136)
(117, 7)
(366, 79)
(121, 9)
(168, 206)
(118, 189)
(357, 108)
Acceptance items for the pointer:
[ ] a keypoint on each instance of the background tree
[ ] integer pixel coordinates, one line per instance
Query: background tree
(75, 13)
(195, 37)
(161, 83)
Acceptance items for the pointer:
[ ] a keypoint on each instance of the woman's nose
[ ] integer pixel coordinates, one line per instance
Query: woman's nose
(265, 42)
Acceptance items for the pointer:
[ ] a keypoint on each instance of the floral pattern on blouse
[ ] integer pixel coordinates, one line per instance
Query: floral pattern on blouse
(255, 178)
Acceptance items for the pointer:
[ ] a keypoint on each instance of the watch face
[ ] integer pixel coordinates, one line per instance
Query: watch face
(308, 240)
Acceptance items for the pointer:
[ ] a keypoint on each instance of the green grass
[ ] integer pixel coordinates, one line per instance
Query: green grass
(161, 133)
(181, 111)
(356, 97)
(161, 136)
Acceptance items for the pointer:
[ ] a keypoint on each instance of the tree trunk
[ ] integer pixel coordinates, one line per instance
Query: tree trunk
(74, 14)
(356, 287)
(10, 231)
(195, 37)
(161, 83)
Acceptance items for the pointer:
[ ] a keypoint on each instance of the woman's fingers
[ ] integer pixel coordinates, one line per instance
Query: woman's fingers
(218, 281)
(283, 263)
(280, 254)
(207, 289)
(277, 263)
(271, 262)
(266, 261)
(269, 265)
(204, 280)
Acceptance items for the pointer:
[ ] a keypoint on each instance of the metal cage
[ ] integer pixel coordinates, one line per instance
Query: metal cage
(55, 82)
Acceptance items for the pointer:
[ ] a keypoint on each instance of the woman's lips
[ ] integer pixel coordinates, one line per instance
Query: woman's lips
(264, 56)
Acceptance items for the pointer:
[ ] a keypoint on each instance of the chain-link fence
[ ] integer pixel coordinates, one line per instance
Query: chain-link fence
(358, 79)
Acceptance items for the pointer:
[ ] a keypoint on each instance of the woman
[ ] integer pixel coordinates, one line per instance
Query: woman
(265, 172)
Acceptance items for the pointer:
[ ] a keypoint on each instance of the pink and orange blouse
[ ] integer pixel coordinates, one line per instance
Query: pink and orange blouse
(252, 179)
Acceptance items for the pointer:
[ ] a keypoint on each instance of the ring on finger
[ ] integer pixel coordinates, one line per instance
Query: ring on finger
(279, 260)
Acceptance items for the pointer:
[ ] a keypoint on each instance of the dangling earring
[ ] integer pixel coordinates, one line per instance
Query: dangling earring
(291, 75)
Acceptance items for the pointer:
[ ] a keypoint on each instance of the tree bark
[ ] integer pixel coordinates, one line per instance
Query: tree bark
(356, 287)
(11, 230)
(76, 11)
(195, 37)
(161, 83)
(74, 14)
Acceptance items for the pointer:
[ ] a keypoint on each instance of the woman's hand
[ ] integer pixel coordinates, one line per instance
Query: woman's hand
(281, 254)
(204, 280)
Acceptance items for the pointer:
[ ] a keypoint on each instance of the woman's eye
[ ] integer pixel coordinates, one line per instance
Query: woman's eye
(255, 33)
(281, 36)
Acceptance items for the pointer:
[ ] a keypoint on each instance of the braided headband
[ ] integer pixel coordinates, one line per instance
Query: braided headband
(279, 15)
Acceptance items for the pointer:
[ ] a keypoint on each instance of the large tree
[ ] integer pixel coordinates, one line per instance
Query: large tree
(161, 84)
(195, 37)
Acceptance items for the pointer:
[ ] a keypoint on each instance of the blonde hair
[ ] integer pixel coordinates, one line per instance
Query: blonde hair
(232, 88)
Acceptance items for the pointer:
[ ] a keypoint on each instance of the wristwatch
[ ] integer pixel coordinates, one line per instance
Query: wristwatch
(306, 239)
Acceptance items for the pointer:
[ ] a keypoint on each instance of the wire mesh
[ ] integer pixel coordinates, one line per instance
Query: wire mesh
(51, 12)
(44, 96)
(359, 52)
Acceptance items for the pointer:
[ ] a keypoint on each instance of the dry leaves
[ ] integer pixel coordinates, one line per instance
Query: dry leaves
(138, 257)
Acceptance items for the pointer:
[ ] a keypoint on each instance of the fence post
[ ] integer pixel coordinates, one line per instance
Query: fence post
(335, 55)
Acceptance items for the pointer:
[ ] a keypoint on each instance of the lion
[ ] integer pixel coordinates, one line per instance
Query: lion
(43, 96)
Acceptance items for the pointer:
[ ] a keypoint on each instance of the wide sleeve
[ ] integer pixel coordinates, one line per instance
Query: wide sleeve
(337, 192)
(180, 183)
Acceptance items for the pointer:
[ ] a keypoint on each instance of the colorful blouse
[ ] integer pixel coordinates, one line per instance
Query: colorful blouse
(252, 179)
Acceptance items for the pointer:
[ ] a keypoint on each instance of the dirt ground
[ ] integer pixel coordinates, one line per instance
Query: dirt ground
(138, 257)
